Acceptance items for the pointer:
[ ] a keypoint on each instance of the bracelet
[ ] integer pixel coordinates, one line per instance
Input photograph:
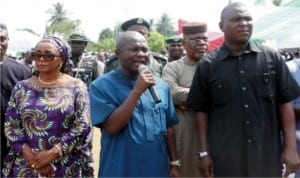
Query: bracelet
(59, 150)
(175, 163)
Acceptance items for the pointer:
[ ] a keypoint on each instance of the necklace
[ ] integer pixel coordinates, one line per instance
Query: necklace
(51, 82)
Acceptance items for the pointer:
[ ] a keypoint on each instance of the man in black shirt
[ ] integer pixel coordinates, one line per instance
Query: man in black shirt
(11, 72)
(241, 94)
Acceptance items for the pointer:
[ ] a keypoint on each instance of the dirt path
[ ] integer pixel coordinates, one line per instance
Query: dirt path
(96, 149)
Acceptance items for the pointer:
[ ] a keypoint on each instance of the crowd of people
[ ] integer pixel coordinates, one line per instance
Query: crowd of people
(230, 112)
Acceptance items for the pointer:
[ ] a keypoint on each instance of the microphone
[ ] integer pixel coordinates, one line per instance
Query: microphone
(152, 89)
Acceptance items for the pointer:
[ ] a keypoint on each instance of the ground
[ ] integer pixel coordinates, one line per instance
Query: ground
(96, 149)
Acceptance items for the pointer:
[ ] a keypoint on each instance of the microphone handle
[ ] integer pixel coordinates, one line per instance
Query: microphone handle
(154, 94)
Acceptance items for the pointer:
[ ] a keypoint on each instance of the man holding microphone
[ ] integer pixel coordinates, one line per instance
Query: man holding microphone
(137, 133)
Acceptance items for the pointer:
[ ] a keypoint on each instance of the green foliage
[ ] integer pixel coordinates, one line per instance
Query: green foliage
(156, 41)
(63, 28)
(58, 13)
(60, 24)
(29, 31)
(107, 44)
(277, 2)
(106, 33)
(165, 26)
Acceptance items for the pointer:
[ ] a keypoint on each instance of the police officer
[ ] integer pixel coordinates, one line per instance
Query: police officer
(82, 67)
(156, 61)
(174, 47)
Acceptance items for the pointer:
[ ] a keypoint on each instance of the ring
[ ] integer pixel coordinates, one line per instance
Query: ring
(33, 166)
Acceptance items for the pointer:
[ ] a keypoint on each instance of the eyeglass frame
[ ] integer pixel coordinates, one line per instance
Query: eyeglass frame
(46, 57)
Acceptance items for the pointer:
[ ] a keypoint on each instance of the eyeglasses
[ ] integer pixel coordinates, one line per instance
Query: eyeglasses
(198, 39)
(47, 57)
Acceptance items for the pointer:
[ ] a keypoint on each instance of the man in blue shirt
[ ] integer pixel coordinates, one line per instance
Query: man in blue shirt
(137, 134)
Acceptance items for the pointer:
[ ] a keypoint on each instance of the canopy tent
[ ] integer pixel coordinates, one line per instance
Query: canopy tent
(215, 40)
(280, 26)
(21, 41)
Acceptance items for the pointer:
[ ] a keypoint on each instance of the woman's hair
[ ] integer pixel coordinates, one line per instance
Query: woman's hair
(64, 51)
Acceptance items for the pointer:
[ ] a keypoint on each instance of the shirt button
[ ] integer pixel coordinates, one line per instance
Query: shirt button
(246, 106)
(244, 88)
(242, 71)
(247, 122)
(249, 140)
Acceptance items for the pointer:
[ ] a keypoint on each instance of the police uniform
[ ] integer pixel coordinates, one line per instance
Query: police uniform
(171, 40)
(153, 64)
(174, 39)
(83, 67)
(156, 61)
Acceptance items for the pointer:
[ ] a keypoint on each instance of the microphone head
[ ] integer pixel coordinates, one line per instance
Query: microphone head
(142, 67)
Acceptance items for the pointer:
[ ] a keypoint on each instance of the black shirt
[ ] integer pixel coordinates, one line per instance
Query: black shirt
(10, 73)
(241, 95)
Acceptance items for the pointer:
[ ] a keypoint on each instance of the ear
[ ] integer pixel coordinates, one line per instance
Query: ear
(183, 42)
(221, 26)
(117, 53)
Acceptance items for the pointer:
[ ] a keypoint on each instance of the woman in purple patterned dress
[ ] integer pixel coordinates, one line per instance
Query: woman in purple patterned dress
(47, 121)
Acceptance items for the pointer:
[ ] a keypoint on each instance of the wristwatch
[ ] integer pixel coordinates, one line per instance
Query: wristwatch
(175, 163)
(202, 154)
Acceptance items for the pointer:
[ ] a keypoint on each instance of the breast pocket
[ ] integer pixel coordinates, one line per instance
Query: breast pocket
(221, 92)
(267, 84)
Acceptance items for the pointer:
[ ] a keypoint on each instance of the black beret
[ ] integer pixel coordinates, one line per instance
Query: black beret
(194, 27)
(174, 39)
(78, 37)
(3, 26)
(135, 21)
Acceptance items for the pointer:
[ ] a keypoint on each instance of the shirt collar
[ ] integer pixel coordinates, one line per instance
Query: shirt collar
(225, 52)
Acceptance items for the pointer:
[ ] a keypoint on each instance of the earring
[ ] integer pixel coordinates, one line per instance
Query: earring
(60, 66)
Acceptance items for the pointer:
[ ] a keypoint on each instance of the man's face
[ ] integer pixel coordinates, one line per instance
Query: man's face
(141, 29)
(237, 25)
(3, 43)
(196, 45)
(77, 47)
(133, 54)
(175, 50)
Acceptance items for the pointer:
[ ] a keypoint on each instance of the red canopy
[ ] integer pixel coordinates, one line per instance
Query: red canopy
(215, 40)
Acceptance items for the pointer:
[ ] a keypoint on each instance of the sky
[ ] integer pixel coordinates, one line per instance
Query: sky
(96, 15)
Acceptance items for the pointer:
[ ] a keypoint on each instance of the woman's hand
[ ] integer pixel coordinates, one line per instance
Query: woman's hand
(44, 157)
(29, 155)
(46, 171)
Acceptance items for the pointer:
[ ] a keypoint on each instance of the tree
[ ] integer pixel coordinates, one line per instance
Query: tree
(107, 44)
(165, 26)
(60, 24)
(29, 31)
(106, 33)
(58, 13)
(156, 41)
(277, 2)
(63, 28)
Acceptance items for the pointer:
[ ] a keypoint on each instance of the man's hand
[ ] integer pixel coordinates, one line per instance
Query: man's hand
(291, 160)
(205, 165)
(174, 171)
(145, 80)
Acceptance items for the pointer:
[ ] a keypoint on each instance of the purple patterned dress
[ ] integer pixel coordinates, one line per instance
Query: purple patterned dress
(44, 116)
